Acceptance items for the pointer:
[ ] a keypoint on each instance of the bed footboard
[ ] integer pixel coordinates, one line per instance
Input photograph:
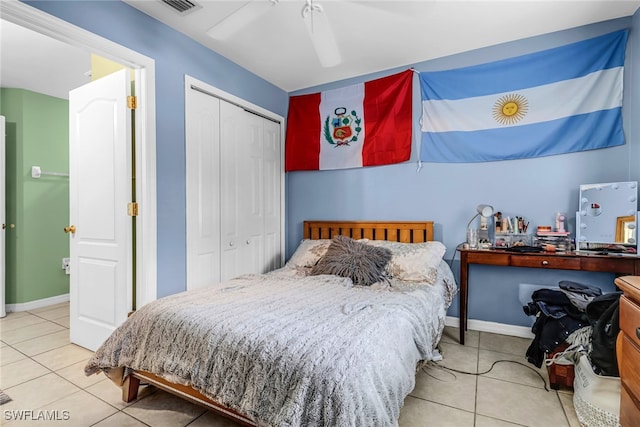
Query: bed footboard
(132, 383)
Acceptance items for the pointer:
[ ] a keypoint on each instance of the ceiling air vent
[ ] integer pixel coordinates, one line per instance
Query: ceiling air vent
(182, 6)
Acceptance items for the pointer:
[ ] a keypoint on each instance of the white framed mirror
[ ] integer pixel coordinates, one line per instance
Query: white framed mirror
(607, 217)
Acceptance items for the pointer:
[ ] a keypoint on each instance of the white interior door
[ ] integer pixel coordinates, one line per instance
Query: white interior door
(100, 188)
(203, 188)
(3, 218)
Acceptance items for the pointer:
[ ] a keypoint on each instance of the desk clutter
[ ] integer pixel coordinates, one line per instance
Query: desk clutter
(553, 241)
(511, 233)
(514, 225)
(606, 222)
(575, 332)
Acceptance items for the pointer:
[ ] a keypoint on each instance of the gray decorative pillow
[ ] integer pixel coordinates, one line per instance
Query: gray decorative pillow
(363, 264)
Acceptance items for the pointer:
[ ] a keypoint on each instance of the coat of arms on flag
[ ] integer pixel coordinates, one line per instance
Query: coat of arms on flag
(365, 124)
(345, 128)
(555, 101)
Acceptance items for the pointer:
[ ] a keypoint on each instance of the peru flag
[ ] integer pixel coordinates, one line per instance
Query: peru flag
(366, 124)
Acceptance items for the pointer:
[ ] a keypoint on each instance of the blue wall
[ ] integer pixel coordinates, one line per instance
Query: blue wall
(444, 193)
(449, 193)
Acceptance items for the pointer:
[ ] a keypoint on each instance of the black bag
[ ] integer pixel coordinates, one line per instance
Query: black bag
(603, 314)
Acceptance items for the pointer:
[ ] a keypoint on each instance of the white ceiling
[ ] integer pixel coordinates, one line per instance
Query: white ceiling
(372, 36)
(30, 60)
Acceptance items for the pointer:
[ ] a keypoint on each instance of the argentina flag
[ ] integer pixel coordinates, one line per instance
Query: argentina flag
(556, 101)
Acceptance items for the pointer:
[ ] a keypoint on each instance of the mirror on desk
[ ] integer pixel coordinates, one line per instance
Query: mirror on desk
(607, 217)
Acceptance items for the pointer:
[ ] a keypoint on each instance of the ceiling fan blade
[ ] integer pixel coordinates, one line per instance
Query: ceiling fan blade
(323, 38)
(239, 19)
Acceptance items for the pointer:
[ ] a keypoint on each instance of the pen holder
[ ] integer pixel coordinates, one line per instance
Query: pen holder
(472, 238)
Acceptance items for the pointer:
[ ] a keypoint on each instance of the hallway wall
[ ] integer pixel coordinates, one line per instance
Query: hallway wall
(37, 135)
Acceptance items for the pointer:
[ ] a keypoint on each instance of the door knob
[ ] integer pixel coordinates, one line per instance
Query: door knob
(70, 229)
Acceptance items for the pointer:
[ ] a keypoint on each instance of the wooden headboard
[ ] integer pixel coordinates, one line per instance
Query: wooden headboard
(397, 231)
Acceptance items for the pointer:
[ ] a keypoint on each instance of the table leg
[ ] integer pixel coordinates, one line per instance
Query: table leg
(464, 273)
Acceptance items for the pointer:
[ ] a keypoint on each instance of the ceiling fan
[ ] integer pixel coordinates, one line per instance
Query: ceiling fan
(314, 16)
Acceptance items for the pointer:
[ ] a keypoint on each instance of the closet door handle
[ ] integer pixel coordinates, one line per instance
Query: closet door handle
(638, 333)
(70, 229)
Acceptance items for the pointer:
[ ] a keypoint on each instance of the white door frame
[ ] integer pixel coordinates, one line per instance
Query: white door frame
(145, 129)
(3, 210)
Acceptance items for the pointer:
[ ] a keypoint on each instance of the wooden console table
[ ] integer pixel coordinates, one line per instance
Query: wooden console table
(622, 265)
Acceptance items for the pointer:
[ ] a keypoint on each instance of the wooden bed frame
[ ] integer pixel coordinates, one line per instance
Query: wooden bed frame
(397, 231)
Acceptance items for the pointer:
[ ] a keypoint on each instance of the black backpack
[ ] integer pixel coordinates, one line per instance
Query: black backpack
(603, 315)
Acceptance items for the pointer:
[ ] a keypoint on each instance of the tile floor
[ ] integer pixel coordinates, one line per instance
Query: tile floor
(42, 370)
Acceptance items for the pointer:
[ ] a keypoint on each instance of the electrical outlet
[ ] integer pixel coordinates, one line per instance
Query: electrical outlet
(65, 265)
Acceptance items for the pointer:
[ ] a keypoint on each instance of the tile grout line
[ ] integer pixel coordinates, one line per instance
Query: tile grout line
(143, 423)
(51, 371)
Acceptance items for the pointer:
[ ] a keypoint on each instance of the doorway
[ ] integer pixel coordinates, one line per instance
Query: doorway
(144, 68)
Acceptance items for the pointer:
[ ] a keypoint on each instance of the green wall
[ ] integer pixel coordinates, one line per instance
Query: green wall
(37, 135)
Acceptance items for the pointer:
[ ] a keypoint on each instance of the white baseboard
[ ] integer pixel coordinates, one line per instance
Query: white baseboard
(32, 305)
(493, 327)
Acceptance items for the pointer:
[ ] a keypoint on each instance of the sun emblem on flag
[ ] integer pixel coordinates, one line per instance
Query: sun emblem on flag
(510, 109)
(343, 128)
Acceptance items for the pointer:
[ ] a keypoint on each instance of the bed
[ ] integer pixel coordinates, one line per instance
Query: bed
(299, 345)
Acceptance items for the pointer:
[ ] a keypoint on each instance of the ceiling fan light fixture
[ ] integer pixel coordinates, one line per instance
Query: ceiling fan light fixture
(310, 7)
(242, 17)
(321, 34)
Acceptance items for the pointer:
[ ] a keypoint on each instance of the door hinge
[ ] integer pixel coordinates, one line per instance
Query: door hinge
(132, 102)
(132, 209)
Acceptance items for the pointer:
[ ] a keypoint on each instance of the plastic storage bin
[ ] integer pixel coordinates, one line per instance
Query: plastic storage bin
(507, 240)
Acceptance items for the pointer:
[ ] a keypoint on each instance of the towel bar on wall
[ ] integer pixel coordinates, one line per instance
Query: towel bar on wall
(36, 172)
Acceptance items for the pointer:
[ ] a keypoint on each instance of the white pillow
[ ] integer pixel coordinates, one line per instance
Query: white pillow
(413, 262)
(308, 253)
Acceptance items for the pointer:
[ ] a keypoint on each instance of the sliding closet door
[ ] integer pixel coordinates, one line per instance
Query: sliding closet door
(241, 191)
(234, 187)
(203, 189)
(272, 193)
